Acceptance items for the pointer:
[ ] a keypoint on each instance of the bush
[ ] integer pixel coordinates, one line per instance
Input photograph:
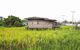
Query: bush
(1, 23)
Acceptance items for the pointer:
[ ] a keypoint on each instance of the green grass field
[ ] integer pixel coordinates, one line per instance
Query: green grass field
(18, 38)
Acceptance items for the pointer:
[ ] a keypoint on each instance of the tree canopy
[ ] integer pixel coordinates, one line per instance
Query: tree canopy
(12, 21)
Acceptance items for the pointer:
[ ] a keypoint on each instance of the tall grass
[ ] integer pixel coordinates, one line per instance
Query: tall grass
(18, 38)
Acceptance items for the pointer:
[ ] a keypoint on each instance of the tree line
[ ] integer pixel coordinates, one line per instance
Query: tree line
(11, 21)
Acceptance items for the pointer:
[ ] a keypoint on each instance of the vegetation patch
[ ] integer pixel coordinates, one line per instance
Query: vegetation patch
(18, 38)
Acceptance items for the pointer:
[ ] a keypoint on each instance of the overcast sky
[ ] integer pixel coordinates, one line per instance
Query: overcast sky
(53, 9)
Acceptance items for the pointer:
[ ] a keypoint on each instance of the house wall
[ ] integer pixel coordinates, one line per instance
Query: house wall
(40, 24)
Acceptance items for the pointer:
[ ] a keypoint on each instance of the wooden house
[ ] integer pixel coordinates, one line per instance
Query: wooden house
(41, 23)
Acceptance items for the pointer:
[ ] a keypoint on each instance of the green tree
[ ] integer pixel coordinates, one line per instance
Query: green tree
(17, 23)
(1, 23)
(12, 21)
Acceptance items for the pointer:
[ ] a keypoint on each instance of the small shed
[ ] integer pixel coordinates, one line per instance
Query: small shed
(41, 23)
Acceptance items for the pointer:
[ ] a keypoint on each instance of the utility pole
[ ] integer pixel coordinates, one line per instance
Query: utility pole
(63, 16)
(73, 12)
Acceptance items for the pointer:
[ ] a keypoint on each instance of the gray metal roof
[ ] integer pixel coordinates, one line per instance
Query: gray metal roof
(39, 18)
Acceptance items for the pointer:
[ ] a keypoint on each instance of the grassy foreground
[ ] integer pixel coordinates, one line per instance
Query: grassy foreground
(19, 38)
